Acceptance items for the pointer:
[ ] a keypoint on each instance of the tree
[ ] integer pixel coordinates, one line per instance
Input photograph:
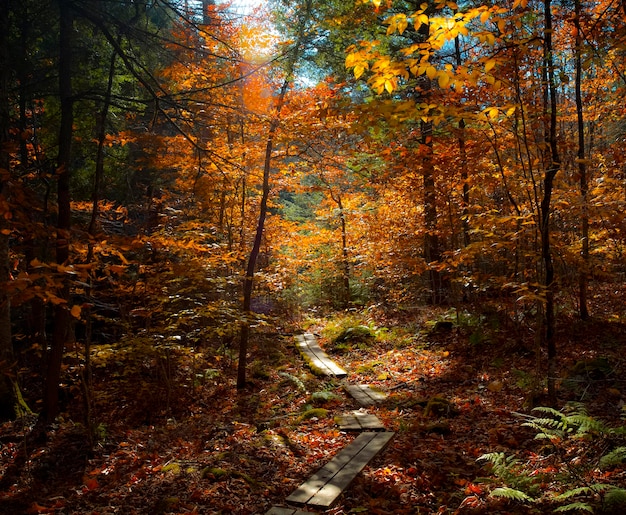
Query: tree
(63, 170)
(292, 57)
(552, 168)
(7, 397)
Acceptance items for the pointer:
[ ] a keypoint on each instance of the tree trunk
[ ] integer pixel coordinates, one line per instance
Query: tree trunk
(582, 170)
(552, 168)
(431, 251)
(101, 135)
(61, 312)
(345, 258)
(7, 396)
(463, 156)
(248, 282)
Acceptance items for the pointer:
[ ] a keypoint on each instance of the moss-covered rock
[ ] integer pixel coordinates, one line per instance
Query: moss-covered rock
(314, 413)
(439, 407)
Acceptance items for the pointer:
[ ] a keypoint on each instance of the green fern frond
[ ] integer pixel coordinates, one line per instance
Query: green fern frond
(576, 407)
(583, 490)
(615, 497)
(586, 424)
(549, 411)
(493, 457)
(616, 457)
(511, 494)
(575, 506)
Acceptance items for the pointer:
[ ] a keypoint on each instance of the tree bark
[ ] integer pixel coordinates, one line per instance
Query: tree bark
(101, 135)
(248, 282)
(583, 279)
(61, 312)
(431, 250)
(552, 169)
(463, 156)
(7, 396)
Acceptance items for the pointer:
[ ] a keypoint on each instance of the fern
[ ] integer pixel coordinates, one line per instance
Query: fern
(295, 380)
(616, 457)
(511, 471)
(576, 421)
(512, 494)
(563, 429)
(575, 506)
(615, 497)
(583, 490)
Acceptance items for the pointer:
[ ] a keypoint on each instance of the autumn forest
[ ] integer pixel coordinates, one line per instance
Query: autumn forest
(434, 191)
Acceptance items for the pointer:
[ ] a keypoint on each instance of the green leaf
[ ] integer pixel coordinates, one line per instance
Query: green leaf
(575, 506)
(615, 457)
(512, 494)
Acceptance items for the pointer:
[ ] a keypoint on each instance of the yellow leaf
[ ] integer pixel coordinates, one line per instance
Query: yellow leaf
(358, 70)
(402, 25)
(444, 79)
(484, 16)
(489, 65)
(492, 112)
(388, 86)
(75, 311)
(431, 72)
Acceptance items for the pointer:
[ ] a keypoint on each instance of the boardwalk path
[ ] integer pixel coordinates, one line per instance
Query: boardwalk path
(324, 487)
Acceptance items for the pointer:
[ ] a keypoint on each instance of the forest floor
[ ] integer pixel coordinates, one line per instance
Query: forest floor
(171, 434)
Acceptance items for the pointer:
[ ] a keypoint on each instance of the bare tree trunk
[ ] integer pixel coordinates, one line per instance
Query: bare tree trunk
(582, 170)
(7, 396)
(552, 169)
(101, 135)
(345, 258)
(61, 313)
(463, 156)
(431, 251)
(248, 282)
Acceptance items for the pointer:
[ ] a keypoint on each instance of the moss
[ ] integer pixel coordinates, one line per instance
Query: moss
(368, 369)
(355, 334)
(173, 467)
(324, 397)
(439, 407)
(314, 412)
(214, 473)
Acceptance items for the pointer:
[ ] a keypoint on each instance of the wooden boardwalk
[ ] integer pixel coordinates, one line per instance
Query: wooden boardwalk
(365, 395)
(316, 357)
(277, 510)
(358, 421)
(324, 487)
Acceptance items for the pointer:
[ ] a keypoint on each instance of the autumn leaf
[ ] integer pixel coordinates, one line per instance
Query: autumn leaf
(489, 65)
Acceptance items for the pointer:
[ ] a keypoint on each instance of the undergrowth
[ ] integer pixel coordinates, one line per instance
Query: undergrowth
(579, 458)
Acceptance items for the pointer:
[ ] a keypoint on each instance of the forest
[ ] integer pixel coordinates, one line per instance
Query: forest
(435, 191)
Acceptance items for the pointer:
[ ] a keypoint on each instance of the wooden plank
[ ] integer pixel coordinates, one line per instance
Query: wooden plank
(364, 394)
(317, 358)
(278, 510)
(359, 420)
(316, 350)
(324, 487)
